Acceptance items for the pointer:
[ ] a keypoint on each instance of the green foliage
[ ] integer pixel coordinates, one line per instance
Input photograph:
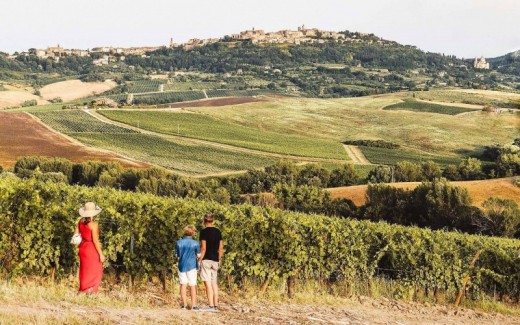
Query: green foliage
(416, 106)
(380, 174)
(304, 198)
(470, 169)
(37, 220)
(406, 171)
(435, 204)
(344, 175)
(373, 143)
(500, 217)
(30, 102)
(56, 100)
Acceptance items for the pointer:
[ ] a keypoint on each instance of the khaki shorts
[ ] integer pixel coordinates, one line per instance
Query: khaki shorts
(208, 271)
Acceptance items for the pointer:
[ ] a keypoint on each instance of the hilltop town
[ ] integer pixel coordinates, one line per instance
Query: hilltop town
(302, 35)
(256, 36)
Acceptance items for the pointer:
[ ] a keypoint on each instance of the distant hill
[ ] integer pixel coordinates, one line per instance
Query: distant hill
(353, 65)
(507, 64)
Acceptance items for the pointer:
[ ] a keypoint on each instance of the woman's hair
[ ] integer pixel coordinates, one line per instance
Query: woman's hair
(86, 220)
(208, 218)
(189, 231)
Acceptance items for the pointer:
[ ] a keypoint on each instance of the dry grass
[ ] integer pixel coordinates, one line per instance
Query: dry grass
(74, 89)
(35, 301)
(479, 191)
(12, 98)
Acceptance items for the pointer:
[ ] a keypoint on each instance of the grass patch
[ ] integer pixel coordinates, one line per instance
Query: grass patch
(416, 106)
(39, 108)
(205, 127)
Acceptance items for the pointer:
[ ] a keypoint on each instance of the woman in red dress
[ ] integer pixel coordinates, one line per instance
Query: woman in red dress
(91, 257)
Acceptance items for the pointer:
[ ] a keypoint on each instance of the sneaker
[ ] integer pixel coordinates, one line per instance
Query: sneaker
(184, 307)
(195, 308)
(210, 309)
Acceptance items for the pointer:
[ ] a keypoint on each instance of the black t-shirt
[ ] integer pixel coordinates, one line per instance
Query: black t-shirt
(212, 236)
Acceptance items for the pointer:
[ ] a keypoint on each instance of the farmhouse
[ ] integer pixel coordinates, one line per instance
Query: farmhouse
(104, 102)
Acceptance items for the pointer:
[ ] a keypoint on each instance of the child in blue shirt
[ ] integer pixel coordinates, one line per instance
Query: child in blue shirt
(188, 249)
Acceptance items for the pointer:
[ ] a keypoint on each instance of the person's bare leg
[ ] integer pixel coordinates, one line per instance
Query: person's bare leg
(214, 287)
(209, 292)
(193, 293)
(183, 295)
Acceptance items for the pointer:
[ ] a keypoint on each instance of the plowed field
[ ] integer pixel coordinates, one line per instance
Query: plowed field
(22, 135)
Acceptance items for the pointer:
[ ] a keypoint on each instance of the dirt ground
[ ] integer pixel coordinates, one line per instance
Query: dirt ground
(74, 89)
(21, 135)
(216, 102)
(479, 191)
(360, 310)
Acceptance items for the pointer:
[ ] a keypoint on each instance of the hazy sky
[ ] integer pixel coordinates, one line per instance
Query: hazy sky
(466, 28)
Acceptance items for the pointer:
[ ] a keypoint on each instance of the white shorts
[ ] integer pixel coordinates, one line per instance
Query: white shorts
(189, 278)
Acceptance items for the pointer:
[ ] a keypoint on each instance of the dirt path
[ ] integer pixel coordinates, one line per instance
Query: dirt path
(171, 137)
(356, 155)
(357, 311)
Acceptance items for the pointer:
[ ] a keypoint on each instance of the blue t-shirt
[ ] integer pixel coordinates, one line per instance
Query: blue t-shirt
(187, 250)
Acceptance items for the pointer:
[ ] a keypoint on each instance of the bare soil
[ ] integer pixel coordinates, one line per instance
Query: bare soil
(360, 310)
(21, 135)
(479, 191)
(216, 102)
(75, 89)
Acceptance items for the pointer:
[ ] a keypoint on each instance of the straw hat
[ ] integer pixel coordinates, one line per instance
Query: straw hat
(89, 210)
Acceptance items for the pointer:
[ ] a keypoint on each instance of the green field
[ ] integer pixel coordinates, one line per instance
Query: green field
(236, 93)
(393, 156)
(192, 85)
(181, 156)
(39, 108)
(168, 97)
(207, 128)
(338, 120)
(144, 86)
(416, 106)
(70, 122)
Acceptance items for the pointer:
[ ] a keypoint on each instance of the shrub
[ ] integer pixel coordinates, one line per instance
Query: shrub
(500, 217)
(31, 102)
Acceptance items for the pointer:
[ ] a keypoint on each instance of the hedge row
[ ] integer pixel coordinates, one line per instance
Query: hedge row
(37, 220)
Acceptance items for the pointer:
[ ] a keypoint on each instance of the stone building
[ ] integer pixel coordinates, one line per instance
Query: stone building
(481, 63)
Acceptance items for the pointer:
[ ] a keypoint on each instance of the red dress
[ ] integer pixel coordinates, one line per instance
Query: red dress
(90, 267)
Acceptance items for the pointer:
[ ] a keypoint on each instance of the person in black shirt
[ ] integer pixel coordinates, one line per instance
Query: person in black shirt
(211, 252)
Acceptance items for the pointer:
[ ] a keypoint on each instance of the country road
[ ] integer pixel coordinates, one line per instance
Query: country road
(356, 155)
